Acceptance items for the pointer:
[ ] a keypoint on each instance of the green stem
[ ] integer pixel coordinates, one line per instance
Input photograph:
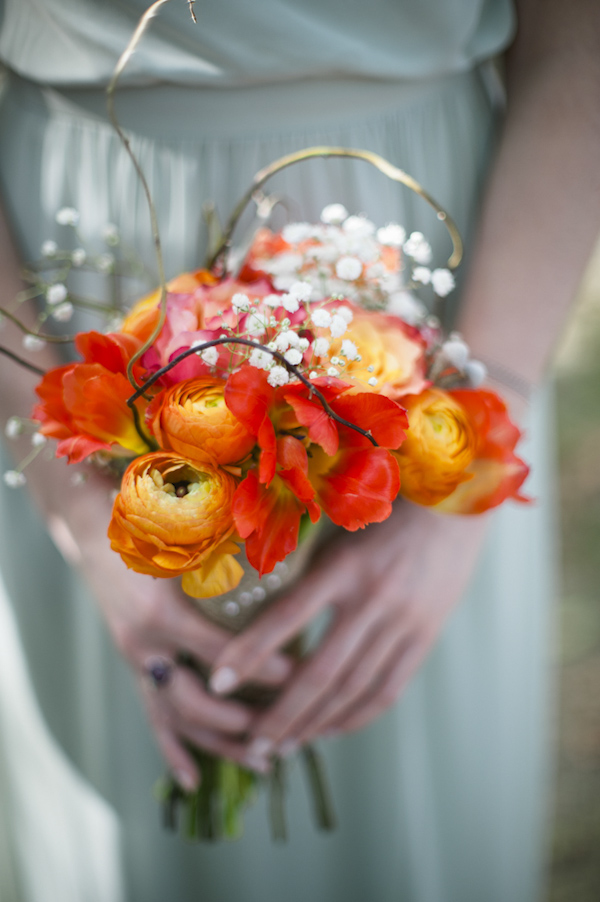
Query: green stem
(149, 440)
(277, 801)
(323, 804)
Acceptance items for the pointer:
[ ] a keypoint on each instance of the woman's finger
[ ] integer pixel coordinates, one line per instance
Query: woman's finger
(357, 682)
(178, 759)
(173, 731)
(387, 691)
(194, 708)
(246, 655)
(314, 680)
(224, 747)
(187, 630)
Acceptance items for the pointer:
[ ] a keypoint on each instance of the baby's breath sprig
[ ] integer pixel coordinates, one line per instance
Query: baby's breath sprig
(450, 364)
(16, 427)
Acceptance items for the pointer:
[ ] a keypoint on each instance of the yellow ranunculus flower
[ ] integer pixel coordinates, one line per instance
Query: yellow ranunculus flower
(440, 444)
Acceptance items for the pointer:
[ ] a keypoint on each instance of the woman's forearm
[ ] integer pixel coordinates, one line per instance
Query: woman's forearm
(541, 213)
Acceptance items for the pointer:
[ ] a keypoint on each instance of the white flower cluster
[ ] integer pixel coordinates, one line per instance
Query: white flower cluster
(56, 298)
(347, 256)
(33, 343)
(342, 255)
(441, 280)
(67, 216)
(337, 321)
(455, 352)
(14, 479)
(295, 349)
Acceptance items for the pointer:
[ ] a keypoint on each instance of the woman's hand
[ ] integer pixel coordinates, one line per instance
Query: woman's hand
(152, 620)
(390, 590)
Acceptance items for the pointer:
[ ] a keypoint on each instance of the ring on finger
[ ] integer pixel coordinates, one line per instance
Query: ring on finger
(159, 671)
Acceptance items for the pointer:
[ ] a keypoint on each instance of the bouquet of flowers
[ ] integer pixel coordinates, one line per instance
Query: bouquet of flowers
(296, 380)
(246, 406)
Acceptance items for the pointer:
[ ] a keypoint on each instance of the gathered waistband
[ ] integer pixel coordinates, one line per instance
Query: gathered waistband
(159, 111)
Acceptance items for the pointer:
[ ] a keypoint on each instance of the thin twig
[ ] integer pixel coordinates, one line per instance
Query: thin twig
(43, 336)
(250, 344)
(25, 363)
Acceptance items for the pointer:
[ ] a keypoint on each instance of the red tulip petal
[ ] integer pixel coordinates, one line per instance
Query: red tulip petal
(360, 488)
(112, 351)
(384, 418)
(249, 510)
(269, 520)
(293, 460)
(52, 413)
(322, 429)
(98, 402)
(268, 455)
(249, 397)
(77, 447)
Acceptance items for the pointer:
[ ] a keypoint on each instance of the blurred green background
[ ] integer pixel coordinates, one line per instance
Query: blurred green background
(575, 864)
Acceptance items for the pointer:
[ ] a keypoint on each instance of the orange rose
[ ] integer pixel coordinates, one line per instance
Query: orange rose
(192, 419)
(390, 352)
(440, 445)
(173, 517)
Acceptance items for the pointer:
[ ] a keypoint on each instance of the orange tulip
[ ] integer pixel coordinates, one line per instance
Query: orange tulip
(84, 405)
(440, 444)
(173, 517)
(192, 419)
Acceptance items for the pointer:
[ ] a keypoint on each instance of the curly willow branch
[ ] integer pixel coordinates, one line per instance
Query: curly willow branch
(251, 344)
(392, 172)
(110, 105)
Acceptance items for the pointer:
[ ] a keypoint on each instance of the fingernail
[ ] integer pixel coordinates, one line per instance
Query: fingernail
(186, 780)
(288, 748)
(260, 764)
(223, 680)
(260, 747)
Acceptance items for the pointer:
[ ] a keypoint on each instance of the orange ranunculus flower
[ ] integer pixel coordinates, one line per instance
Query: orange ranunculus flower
(495, 473)
(174, 517)
(84, 405)
(390, 351)
(192, 419)
(440, 444)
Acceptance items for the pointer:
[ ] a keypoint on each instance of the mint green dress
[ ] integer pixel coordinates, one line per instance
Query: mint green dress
(444, 798)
